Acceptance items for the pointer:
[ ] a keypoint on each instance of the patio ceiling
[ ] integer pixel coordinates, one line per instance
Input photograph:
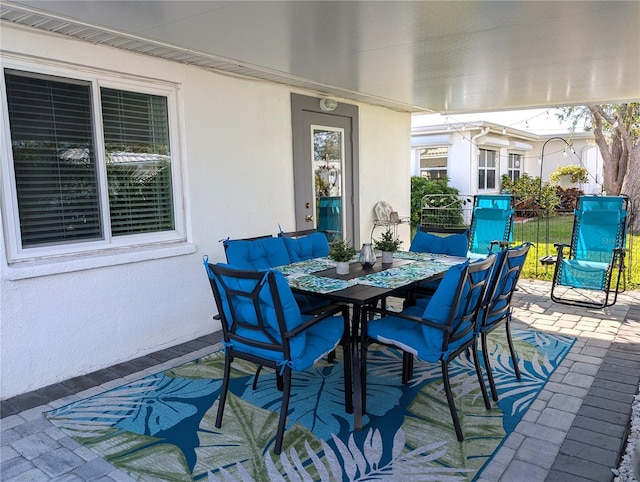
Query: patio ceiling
(448, 57)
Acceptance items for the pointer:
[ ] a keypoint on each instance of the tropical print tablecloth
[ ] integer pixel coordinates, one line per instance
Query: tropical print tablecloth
(422, 265)
(403, 275)
(318, 284)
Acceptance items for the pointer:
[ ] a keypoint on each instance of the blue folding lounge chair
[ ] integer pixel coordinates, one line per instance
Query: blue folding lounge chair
(595, 260)
(497, 307)
(491, 222)
(439, 333)
(261, 323)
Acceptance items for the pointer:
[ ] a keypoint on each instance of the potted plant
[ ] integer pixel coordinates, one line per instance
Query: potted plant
(388, 244)
(342, 253)
(568, 175)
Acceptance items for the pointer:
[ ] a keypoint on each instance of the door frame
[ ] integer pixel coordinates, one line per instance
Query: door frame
(351, 197)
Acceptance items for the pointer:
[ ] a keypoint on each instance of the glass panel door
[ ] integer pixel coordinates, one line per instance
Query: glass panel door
(328, 166)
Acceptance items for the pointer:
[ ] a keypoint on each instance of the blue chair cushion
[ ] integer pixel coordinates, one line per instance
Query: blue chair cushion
(255, 254)
(422, 341)
(313, 245)
(453, 245)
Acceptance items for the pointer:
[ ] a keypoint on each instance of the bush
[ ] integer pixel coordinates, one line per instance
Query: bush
(530, 201)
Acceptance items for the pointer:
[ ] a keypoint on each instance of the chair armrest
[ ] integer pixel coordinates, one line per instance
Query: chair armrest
(331, 310)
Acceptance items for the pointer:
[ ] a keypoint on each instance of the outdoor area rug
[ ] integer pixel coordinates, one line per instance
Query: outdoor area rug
(162, 427)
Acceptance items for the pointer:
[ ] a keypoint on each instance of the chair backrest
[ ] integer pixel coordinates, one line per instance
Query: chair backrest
(505, 276)
(256, 308)
(297, 234)
(304, 245)
(382, 211)
(599, 227)
(492, 220)
(453, 244)
(261, 252)
(456, 304)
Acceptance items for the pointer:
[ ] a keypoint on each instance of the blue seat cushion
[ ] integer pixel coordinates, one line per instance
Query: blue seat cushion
(254, 254)
(315, 343)
(313, 245)
(422, 341)
(453, 245)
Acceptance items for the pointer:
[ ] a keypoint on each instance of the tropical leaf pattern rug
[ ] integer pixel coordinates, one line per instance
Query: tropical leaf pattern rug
(162, 427)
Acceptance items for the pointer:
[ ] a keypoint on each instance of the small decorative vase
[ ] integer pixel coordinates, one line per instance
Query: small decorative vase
(342, 267)
(387, 257)
(367, 256)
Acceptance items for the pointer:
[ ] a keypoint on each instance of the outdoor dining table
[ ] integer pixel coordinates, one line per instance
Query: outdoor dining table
(361, 287)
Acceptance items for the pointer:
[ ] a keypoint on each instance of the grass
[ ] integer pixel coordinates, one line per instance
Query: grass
(557, 229)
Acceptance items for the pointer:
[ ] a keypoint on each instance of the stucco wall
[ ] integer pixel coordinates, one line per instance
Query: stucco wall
(238, 181)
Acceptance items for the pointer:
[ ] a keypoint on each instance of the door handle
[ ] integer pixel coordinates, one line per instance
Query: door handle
(308, 218)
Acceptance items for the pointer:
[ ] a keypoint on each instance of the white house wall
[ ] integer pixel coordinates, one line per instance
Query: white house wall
(463, 160)
(238, 181)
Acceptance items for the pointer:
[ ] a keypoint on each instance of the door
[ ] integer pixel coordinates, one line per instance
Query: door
(325, 168)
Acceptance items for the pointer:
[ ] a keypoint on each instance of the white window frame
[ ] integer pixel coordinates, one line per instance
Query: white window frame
(426, 170)
(157, 242)
(486, 170)
(512, 169)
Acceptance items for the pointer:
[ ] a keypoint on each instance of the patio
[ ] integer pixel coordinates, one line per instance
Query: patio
(575, 430)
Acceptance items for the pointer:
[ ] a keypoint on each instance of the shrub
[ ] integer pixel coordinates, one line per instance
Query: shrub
(530, 200)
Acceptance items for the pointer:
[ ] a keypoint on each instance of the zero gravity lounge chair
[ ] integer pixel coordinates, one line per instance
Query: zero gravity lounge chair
(491, 223)
(595, 260)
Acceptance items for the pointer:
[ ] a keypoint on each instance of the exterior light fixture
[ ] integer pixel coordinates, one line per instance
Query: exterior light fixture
(327, 104)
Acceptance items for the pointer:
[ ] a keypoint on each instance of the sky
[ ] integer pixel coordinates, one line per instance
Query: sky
(537, 121)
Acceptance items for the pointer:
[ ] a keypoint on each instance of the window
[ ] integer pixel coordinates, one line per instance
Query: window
(92, 165)
(515, 166)
(486, 169)
(433, 162)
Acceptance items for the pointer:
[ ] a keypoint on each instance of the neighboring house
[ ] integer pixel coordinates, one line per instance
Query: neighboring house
(115, 271)
(474, 155)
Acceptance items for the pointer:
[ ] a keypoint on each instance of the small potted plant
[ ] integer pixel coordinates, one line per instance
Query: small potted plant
(342, 253)
(569, 175)
(388, 244)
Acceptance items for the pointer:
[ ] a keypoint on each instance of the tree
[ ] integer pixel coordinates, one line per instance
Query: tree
(616, 128)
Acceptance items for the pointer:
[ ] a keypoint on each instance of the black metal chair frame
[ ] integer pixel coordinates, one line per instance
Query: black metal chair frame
(617, 262)
(498, 309)
(297, 234)
(451, 335)
(277, 344)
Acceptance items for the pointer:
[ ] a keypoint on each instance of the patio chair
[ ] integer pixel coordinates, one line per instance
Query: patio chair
(595, 260)
(497, 307)
(387, 217)
(450, 241)
(262, 324)
(491, 223)
(439, 333)
(265, 252)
